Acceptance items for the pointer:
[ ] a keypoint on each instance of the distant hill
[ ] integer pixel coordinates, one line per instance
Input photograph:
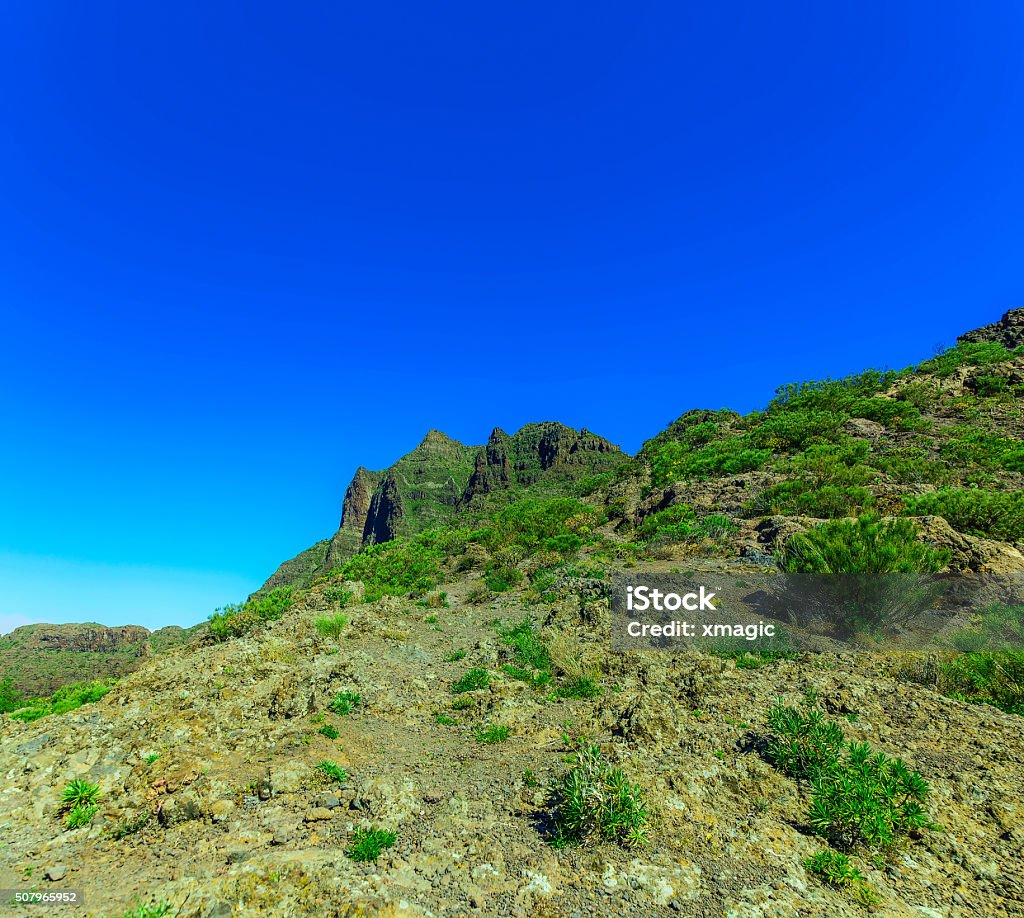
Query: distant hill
(41, 658)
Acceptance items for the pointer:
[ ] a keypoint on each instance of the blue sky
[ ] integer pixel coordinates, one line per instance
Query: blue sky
(246, 248)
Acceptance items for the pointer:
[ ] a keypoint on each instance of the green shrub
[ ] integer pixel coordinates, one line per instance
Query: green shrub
(332, 626)
(975, 354)
(674, 460)
(502, 579)
(595, 800)
(834, 868)
(455, 656)
(345, 703)
(80, 816)
(338, 594)
(968, 446)
(10, 698)
(153, 910)
(579, 687)
(236, 620)
(397, 567)
(859, 798)
(986, 677)
(992, 514)
(369, 842)
(866, 545)
(333, 771)
(79, 792)
(471, 681)
(804, 743)
(66, 698)
(988, 386)
(679, 523)
(867, 800)
(330, 731)
(528, 648)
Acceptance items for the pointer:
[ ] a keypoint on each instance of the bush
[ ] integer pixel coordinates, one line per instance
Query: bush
(991, 514)
(10, 698)
(471, 681)
(332, 626)
(828, 481)
(595, 800)
(834, 868)
(969, 446)
(397, 567)
(995, 678)
(80, 816)
(975, 354)
(804, 744)
(330, 731)
(679, 523)
(858, 797)
(66, 698)
(345, 703)
(369, 842)
(236, 620)
(79, 803)
(865, 545)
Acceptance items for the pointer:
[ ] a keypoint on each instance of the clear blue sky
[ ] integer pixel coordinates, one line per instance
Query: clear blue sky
(245, 248)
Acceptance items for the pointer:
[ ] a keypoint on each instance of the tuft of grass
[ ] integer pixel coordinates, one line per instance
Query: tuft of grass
(445, 720)
(345, 703)
(471, 681)
(80, 816)
(455, 656)
(834, 868)
(131, 825)
(369, 842)
(329, 730)
(580, 687)
(496, 733)
(594, 800)
(331, 626)
(152, 757)
(333, 771)
(79, 792)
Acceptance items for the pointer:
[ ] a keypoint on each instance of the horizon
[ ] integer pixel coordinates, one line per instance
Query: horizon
(244, 257)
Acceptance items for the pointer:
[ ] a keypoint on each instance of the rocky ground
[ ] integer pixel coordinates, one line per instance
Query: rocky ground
(219, 743)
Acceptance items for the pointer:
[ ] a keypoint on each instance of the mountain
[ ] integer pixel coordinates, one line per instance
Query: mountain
(436, 722)
(443, 480)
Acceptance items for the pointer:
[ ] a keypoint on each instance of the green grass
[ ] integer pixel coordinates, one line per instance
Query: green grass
(79, 792)
(345, 703)
(369, 842)
(333, 771)
(579, 687)
(593, 800)
(330, 731)
(80, 816)
(331, 626)
(488, 736)
(471, 681)
(153, 910)
(455, 656)
(445, 720)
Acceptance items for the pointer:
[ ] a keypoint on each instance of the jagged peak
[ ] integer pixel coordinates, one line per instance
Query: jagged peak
(436, 439)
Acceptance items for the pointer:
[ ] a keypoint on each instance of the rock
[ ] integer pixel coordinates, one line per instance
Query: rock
(222, 810)
(317, 814)
(327, 802)
(1008, 331)
(56, 873)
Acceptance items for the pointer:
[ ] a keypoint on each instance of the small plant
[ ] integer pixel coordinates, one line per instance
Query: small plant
(455, 656)
(431, 619)
(497, 733)
(131, 825)
(331, 626)
(333, 771)
(579, 687)
(152, 757)
(345, 703)
(869, 800)
(461, 702)
(834, 868)
(153, 910)
(330, 731)
(593, 799)
(79, 793)
(445, 720)
(805, 743)
(80, 816)
(529, 778)
(369, 842)
(471, 681)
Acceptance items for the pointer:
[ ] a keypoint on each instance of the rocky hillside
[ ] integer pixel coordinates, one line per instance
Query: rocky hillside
(435, 724)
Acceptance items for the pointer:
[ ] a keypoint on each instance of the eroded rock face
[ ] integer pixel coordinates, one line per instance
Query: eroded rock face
(1008, 331)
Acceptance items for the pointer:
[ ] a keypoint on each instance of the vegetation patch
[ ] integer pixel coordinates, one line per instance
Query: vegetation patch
(331, 626)
(333, 771)
(593, 800)
(66, 698)
(974, 511)
(240, 618)
(345, 703)
(368, 842)
(471, 681)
